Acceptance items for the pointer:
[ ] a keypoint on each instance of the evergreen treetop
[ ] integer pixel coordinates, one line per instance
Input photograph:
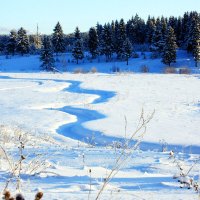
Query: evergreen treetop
(12, 43)
(169, 52)
(22, 42)
(93, 42)
(46, 55)
(58, 39)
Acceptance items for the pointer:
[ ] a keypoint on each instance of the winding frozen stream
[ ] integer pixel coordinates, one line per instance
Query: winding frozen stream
(78, 132)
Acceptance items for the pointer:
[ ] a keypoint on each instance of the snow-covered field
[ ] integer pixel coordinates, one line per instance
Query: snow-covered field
(86, 113)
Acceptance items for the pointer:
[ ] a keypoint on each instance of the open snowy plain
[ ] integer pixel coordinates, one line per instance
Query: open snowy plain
(80, 124)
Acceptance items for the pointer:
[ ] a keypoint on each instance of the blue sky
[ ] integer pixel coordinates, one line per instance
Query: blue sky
(83, 13)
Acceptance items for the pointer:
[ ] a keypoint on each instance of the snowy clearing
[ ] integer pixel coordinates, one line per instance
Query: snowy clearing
(175, 99)
(84, 114)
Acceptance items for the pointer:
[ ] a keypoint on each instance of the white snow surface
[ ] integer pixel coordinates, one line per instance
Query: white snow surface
(175, 99)
(37, 102)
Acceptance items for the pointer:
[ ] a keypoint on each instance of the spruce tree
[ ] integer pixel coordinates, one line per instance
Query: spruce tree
(196, 41)
(77, 50)
(191, 23)
(3, 43)
(100, 38)
(135, 30)
(169, 52)
(58, 39)
(12, 43)
(46, 55)
(157, 39)
(77, 34)
(150, 27)
(116, 36)
(22, 42)
(127, 50)
(113, 36)
(93, 42)
(107, 41)
(121, 36)
(163, 26)
(172, 22)
(185, 30)
(179, 31)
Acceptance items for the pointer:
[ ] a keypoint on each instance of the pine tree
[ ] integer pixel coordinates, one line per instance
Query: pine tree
(157, 39)
(196, 41)
(22, 42)
(191, 23)
(12, 43)
(107, 42)
(77, 34)
(172, 22)
(93, 42)
(185, 29)
(116, 36)
(46, 55)
(3, 43)
(58, 39)
(179, 31)
(77, 51)
(150, 27)
(100, 38)
(121, 36)
(169, 52)
(127, 50)
(113, 36)
(136, 30)
(163, 26)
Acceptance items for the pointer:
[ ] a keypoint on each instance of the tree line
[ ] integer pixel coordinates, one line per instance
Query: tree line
(162, 36)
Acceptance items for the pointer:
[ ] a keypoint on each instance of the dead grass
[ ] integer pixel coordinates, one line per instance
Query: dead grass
(184, 70)
(170, 70)
(93, 70)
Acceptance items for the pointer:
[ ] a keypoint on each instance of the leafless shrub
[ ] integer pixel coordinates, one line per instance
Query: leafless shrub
(144, 69)
(170, 70)
(15, 157)
(93, 70)
(129, 148)
(164, 145)
(78, 70)
(184, 70)
(183, 176)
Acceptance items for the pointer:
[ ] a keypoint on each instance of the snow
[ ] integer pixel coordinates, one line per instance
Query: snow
(66, 62)
(174, 98)
(85, 114)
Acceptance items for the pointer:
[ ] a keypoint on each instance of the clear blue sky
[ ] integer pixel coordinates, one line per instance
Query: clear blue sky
(83, 13)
